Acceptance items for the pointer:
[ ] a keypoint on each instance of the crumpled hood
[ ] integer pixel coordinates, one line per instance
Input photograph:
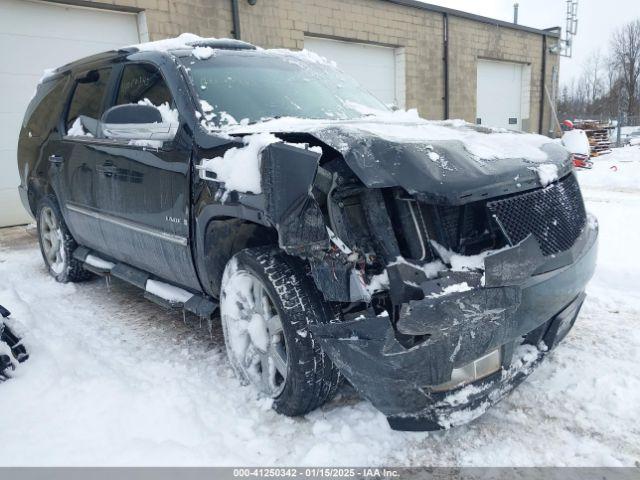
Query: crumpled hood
(450, 162)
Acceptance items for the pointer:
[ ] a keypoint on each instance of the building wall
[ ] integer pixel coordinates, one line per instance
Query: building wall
(284, 23)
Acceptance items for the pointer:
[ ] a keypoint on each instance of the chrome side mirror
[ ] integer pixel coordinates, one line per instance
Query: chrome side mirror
(137, 122)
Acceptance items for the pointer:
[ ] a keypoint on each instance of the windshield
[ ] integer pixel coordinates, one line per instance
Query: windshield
(254, 86)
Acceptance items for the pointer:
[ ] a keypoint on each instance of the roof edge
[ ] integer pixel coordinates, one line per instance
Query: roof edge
(550, 32)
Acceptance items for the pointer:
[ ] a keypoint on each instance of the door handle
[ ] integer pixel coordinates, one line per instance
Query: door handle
(55, 159)
(107, 170)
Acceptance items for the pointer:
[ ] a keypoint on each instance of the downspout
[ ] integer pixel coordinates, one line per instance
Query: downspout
(543, 85)
(235, 16)
(445, 59)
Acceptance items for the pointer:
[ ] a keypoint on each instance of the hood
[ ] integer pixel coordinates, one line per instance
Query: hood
(450, 162)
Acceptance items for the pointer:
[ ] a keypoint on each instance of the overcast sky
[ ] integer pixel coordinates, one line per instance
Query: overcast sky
(597, 20)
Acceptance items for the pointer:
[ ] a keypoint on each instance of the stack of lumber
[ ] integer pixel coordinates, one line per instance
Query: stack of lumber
(598, 135)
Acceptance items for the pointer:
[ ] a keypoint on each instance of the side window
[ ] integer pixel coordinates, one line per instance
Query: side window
(88, 97)
(142, 82)
(45, 109)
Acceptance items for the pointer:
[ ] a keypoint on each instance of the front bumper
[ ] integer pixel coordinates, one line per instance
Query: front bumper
(526, 305)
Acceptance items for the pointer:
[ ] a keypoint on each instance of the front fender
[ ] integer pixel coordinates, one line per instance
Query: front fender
(288, 173)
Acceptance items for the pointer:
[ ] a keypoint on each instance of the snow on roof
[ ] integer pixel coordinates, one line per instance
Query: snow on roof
(180, 42)
(191, 41)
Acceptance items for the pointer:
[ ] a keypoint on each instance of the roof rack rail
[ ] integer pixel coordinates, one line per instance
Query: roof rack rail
(128, 50)
(223, 44)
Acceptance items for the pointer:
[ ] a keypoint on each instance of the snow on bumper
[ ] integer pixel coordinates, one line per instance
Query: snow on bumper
(536, 299)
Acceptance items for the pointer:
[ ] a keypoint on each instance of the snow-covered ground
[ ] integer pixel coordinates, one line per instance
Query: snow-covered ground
(115, 380)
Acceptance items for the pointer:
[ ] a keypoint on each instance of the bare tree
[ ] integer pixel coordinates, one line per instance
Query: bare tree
(592, 76)
(626, 53)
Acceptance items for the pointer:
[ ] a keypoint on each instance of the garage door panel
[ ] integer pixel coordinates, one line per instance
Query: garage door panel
(35, 36)
(374, 67)
(20, 90)
(499, 94)
(11, 124)
(53, 21)
(13, 213)
(9, 168)
(59, 51)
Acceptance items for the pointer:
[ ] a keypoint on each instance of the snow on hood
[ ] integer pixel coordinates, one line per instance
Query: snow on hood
(407, 127)
(452, 161)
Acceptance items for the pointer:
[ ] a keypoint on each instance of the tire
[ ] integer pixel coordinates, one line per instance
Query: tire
(56, 243)
(310, 378)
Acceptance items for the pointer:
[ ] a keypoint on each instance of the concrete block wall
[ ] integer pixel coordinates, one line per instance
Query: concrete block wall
(284, 24)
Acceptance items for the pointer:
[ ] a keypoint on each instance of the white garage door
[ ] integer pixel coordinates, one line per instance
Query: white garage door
(35, 36)
(376, 68)
(501, 90)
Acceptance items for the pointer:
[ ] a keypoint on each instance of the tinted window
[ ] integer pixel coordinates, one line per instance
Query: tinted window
(143, 81)
(45, 108)
(88, 96)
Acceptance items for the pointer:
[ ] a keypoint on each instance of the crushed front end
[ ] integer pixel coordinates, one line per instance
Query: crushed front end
(446, 308)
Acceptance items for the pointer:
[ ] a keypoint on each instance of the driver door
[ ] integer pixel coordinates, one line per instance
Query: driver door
(143, 187)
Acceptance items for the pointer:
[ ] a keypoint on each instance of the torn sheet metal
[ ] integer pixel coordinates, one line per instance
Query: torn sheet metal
(288, 173)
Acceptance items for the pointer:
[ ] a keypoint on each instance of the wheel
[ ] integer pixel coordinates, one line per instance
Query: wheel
(267, 303)
(57, 244)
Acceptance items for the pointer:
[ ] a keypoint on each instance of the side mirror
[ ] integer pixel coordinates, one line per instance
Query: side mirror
(136, 122)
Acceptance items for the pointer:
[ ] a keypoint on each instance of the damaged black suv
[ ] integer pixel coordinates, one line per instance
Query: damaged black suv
(432, 264)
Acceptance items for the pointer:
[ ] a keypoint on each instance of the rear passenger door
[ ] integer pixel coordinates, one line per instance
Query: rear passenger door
(143, 187)
(73, 159)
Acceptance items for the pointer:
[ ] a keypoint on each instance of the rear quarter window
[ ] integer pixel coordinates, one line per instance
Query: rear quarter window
(45, 108)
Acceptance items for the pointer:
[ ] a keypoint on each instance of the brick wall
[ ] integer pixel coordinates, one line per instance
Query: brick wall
(284, 23)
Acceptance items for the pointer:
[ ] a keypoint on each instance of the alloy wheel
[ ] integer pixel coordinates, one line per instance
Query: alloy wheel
(255, 338)
(52, 240)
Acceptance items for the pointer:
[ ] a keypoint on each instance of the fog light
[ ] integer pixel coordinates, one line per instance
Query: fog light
(476, 370)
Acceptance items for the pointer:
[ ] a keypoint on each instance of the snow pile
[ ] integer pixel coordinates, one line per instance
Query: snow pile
(169, 115)
(430, 269)
(448, 290)
(202, 53)
(207, 109)
(576, 141)
(457, 288)
(547, 173)
(462, 263)
(77, 129)
(239, 168)
(167, 292)
(378, 283)
(619, 171)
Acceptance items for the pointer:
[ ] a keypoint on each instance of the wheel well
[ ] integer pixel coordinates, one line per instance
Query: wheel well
(35, 191)
(226, 236)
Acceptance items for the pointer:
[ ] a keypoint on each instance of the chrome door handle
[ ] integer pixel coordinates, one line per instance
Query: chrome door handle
(107, 170)
(56, 159)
